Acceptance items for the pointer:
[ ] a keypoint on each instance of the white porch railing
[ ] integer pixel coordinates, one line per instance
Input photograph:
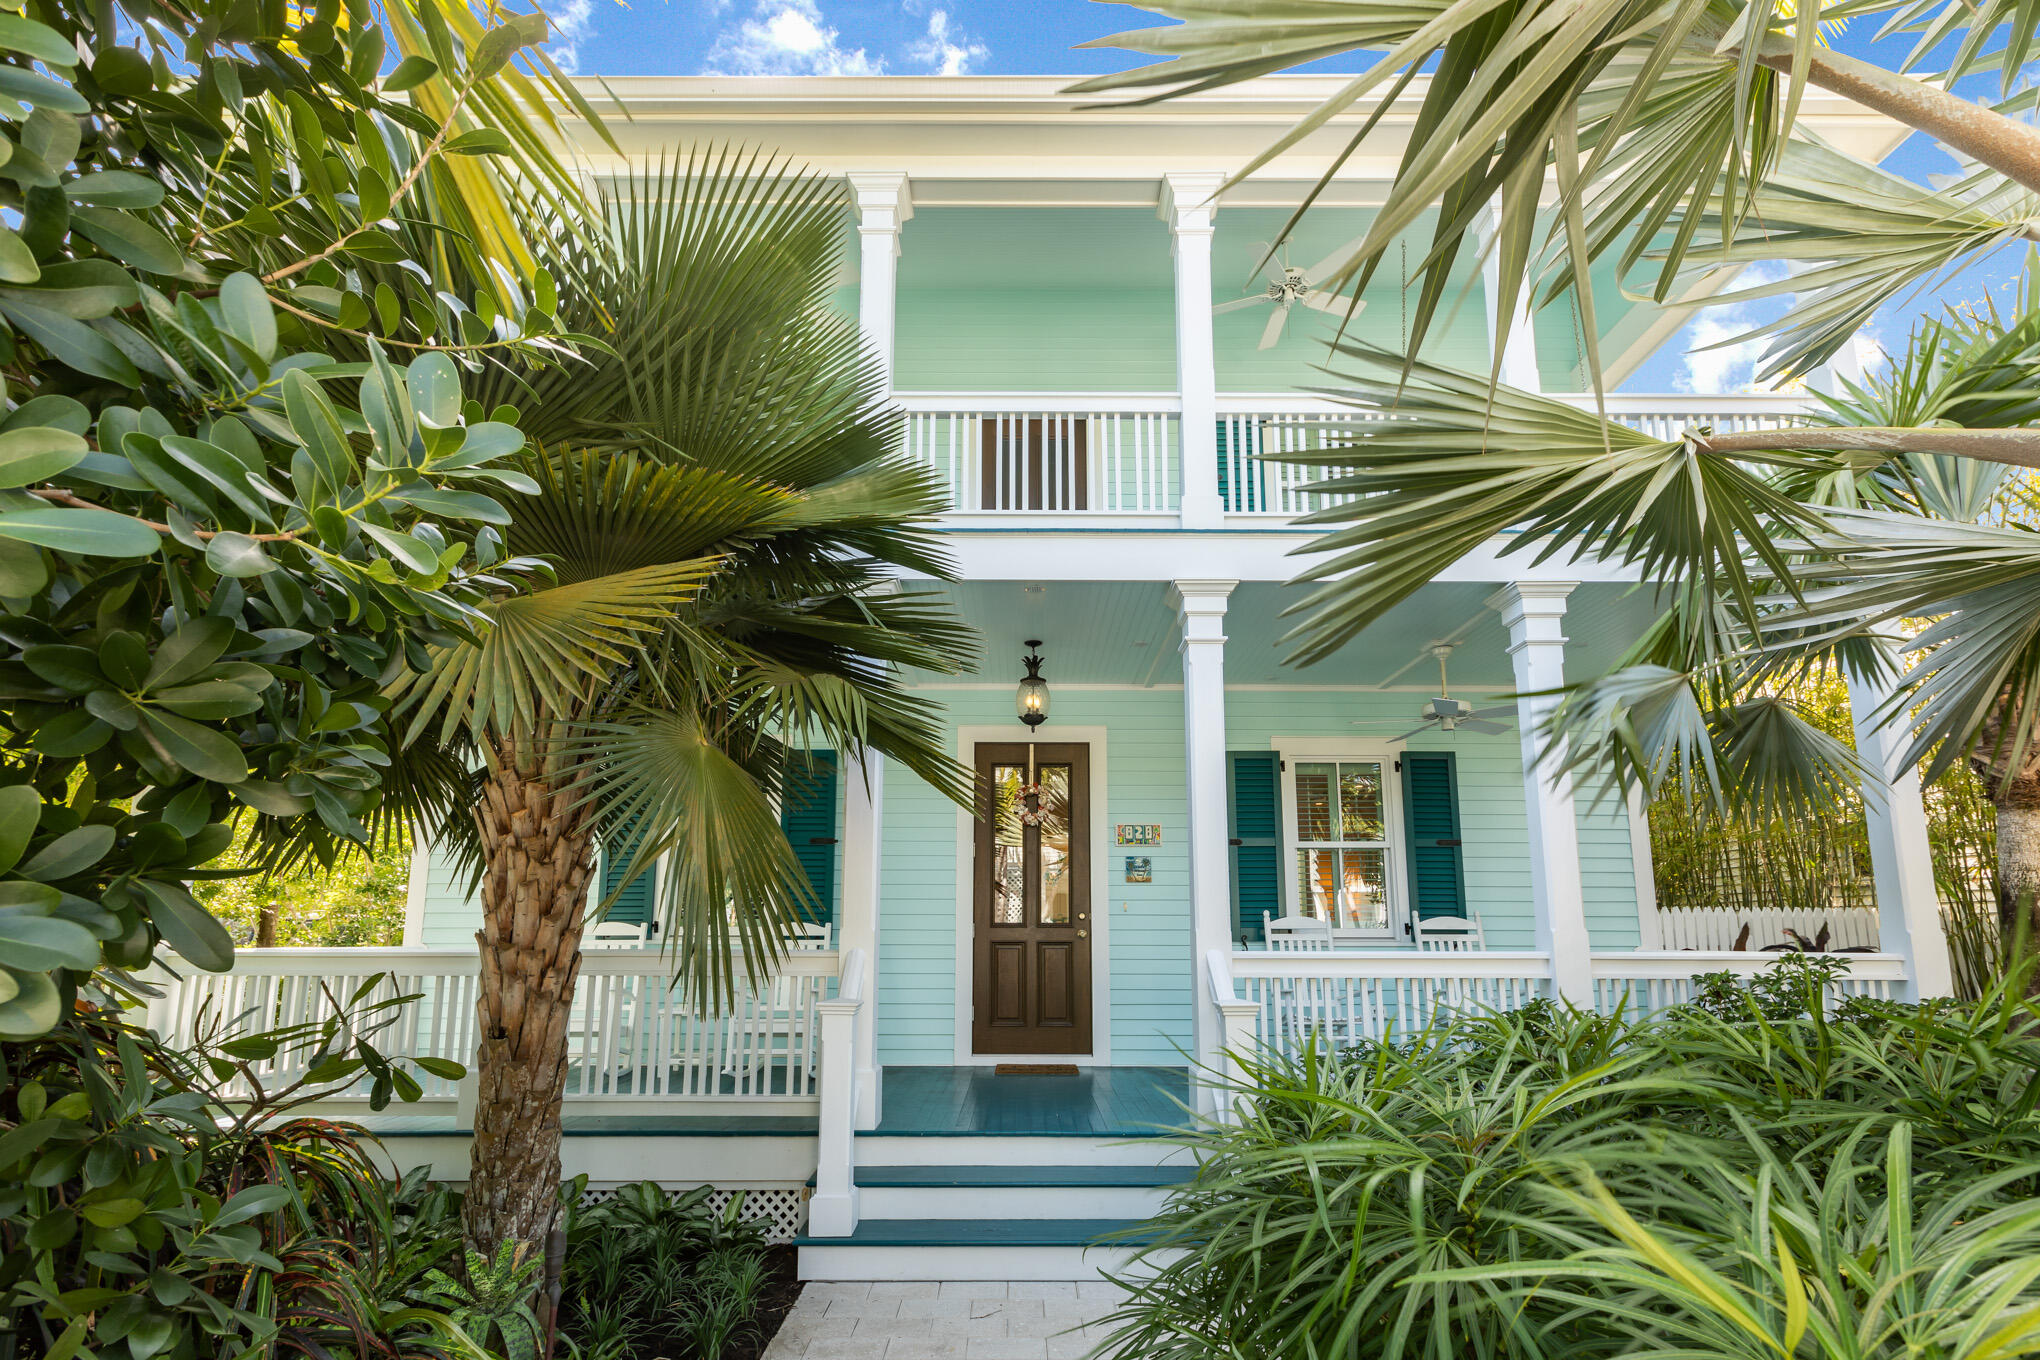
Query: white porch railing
(1089, 454)
(1055, 454)
(1252, 430)
(1281, 1001)
(1643, 982)
(1354, 996)
(1719, 928)
(631, 1038)
(833, 1210)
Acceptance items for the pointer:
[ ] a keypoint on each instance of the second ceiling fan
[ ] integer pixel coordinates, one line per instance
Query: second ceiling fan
(1287, 287)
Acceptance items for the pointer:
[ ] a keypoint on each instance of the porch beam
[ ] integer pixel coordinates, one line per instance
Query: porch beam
(1901, 854)
(1189, 206)
(1534, 612)
(1201, 606)
(857, 928)
(884, 201)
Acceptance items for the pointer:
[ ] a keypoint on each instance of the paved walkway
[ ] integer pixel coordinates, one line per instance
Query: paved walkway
(920, 1321)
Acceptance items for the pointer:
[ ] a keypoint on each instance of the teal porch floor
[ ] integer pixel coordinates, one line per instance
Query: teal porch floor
(1126, 1102)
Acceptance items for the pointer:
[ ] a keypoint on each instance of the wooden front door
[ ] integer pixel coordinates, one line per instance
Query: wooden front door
(1032, 894)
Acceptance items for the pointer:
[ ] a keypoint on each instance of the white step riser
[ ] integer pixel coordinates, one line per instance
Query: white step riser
(886, 1150)
(960, 1263)
(1004, 1202)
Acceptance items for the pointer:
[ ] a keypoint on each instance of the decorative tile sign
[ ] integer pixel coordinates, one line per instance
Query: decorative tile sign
(1131, 833)
(1140, 869)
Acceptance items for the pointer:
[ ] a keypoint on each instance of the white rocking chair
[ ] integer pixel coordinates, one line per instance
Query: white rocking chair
(1295, 933)
(1449, 934)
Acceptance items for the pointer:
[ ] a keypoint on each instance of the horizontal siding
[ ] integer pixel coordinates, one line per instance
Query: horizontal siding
(1607, 868)
(452, 915)
(1036, 340)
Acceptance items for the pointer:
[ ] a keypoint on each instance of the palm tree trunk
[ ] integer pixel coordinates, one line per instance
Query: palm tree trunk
(2004, 144)
(537, 852)
(2018, 867)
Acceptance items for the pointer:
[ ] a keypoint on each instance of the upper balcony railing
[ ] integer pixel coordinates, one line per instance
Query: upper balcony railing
(1099, 457)
(1066, 455)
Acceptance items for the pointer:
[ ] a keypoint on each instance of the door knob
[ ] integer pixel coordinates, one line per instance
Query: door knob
(1083, 934)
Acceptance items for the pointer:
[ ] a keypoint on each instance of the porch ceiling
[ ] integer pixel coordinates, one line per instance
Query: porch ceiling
(1124, 633)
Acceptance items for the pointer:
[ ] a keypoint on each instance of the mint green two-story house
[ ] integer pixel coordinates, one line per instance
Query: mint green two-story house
(1198, 845)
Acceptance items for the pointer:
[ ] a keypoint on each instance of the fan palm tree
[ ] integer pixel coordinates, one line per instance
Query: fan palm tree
(721, 502)
(1671, 133)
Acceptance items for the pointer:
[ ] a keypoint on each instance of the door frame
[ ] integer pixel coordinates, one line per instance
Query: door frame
(967, 739)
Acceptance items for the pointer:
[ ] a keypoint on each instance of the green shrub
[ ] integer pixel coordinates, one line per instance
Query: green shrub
(149, 1209)
(1548, 1182)
(651, 1274)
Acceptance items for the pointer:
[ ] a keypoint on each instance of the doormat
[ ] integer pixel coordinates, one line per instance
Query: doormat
(1035, 1070)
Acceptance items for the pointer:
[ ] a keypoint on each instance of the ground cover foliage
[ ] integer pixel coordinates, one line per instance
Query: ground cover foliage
(1761, 1173)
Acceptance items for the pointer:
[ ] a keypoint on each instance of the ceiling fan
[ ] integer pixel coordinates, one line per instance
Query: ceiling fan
(1287, 287)
(1443, 713)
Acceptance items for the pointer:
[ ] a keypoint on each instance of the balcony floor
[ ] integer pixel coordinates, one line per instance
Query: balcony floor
(1125, 1102)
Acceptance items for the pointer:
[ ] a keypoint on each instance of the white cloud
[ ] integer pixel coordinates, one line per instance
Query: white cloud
(787, 38)
(1709, 366)
(946, 50)
(572, 20)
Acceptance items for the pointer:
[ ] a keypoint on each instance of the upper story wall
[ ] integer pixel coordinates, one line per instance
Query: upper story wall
(1033, 258)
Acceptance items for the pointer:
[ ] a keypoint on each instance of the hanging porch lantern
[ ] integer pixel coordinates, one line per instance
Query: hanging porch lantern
(1031, 700)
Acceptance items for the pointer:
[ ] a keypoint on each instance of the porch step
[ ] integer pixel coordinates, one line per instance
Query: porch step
(1026, 1194)
(948, 1149)
(970, 1249)
(943, 1176)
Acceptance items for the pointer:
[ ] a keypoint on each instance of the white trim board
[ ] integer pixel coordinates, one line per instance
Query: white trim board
(417, 886)
(967, 737)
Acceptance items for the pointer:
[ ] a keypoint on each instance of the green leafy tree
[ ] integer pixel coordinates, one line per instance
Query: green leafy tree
(240, 488)
(1672, 135)
(358, 900)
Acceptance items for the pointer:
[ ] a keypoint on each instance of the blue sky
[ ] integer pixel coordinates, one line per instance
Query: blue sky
(1022, 37)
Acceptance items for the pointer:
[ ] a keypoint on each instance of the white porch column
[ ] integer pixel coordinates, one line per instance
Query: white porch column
(1901, 856)
(863, 811)
(1188, 208)
(884, 203)
(1534, 612)
(1519, 356)
(1202, 608)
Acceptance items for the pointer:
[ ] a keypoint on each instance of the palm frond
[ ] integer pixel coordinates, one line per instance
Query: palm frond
(1979, 656)
(1857, 237)
(601, 514)
(1446, 467)
(732, 885)
(547, 653)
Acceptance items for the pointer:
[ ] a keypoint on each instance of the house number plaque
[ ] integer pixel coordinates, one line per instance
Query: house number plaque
(1130, 833)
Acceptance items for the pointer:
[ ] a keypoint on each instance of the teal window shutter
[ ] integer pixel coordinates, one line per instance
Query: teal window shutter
(1245, 496)
(1254, 796)
(1430, 785)
(632, 906)
(807, 814)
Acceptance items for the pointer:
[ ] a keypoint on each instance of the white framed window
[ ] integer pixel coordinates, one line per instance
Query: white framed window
(1342, 840)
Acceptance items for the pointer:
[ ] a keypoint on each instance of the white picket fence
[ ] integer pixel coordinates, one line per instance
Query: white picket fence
(1719, 928)
(632, 1038)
